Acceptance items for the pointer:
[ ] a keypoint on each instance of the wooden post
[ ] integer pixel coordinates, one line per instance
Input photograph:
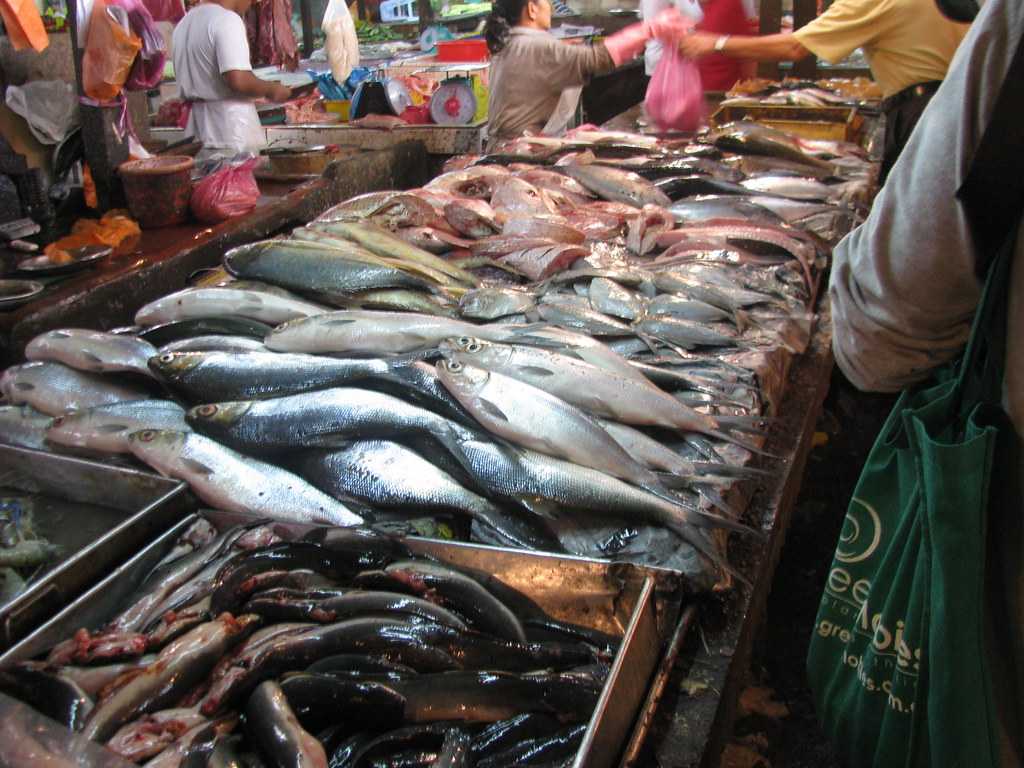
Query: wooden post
(104, 149)
(426, 13)
(805, 11)
(771, 24)
(306, 12)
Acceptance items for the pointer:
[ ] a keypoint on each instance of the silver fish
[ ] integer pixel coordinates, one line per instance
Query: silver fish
(549, 484)
(236, 483)
(565, 312)
(687, 309)
(389, 475)
(23, 426)
(617, 185)
(535, 419)
(492, 303)
(106, 427)
(610, 298)
(685, 333)
(214, 302)
(328, 418)
(790, 186)
(373, 333)
(213, 343)
(600, 392)
(93, 351)
(54, 388)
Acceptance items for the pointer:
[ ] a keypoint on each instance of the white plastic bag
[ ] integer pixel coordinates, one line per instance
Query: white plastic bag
(49, 107)
(342, 44)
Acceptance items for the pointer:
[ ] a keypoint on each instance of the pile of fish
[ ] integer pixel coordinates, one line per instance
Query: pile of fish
(805, 93)
(340, 648)
(558, 350)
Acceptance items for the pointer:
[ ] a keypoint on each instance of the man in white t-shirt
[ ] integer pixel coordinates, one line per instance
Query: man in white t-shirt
(214, 74)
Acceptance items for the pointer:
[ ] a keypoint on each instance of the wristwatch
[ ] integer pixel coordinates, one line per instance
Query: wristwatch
(720, 43)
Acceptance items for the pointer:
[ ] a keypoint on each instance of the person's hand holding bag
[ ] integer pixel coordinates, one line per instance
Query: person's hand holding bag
(668, 25)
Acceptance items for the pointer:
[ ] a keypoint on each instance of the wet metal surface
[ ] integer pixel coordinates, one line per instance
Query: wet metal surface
(96, 513)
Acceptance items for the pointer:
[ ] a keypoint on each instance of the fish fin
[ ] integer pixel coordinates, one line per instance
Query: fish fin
(535, 370)
(197, 466)
(339, 321)
(492, 410)
(93, 358)
(24, 386)
(61, 335)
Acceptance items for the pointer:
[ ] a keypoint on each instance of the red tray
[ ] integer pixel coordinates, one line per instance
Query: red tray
(462, 50)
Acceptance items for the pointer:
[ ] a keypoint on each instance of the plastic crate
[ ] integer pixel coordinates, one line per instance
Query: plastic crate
(462, 50)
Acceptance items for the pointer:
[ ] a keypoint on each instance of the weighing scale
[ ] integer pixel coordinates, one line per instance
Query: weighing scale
(454, 102)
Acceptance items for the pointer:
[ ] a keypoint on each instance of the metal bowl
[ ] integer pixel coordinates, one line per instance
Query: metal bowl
(14, 293)
(81, 258)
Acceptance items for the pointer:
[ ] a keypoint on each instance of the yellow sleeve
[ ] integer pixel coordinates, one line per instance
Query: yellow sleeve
(844, 27)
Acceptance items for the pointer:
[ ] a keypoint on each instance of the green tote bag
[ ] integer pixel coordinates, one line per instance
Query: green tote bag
(897, 662)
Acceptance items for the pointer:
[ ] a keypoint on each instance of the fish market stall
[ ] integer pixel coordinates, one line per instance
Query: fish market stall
(604, 351)
(103, 292)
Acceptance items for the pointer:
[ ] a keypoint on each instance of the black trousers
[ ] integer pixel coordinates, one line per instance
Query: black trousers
(902, 111)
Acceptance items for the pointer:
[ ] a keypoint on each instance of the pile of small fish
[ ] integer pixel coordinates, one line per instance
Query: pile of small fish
(340, 648)
(544, 346)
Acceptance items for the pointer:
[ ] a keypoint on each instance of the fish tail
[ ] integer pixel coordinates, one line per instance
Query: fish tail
(722, 469)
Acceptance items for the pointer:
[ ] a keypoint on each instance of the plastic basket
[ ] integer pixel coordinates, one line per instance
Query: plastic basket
(462, 50)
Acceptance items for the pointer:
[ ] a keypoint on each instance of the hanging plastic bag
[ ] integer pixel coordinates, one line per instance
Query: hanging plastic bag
(110, 50)
(165, 10)
(50, 108)
(24, 24)
(675, 96)
(342, 43)
(148, 69)
(228, 192)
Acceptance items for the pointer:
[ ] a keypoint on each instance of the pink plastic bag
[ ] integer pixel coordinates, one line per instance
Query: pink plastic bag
(231, 191)
(148, 68)
(675, 96)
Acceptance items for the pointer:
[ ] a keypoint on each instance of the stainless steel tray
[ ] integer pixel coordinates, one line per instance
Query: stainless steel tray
(639, 604)
(99, 514)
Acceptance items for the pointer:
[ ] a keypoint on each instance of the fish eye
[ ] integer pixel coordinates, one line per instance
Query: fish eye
(454, 367)
(474, 347)
(464, 341)
(166, 358)
(147, 436)
(206, 410)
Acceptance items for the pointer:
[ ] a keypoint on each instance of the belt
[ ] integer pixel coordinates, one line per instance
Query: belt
(910, 93)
